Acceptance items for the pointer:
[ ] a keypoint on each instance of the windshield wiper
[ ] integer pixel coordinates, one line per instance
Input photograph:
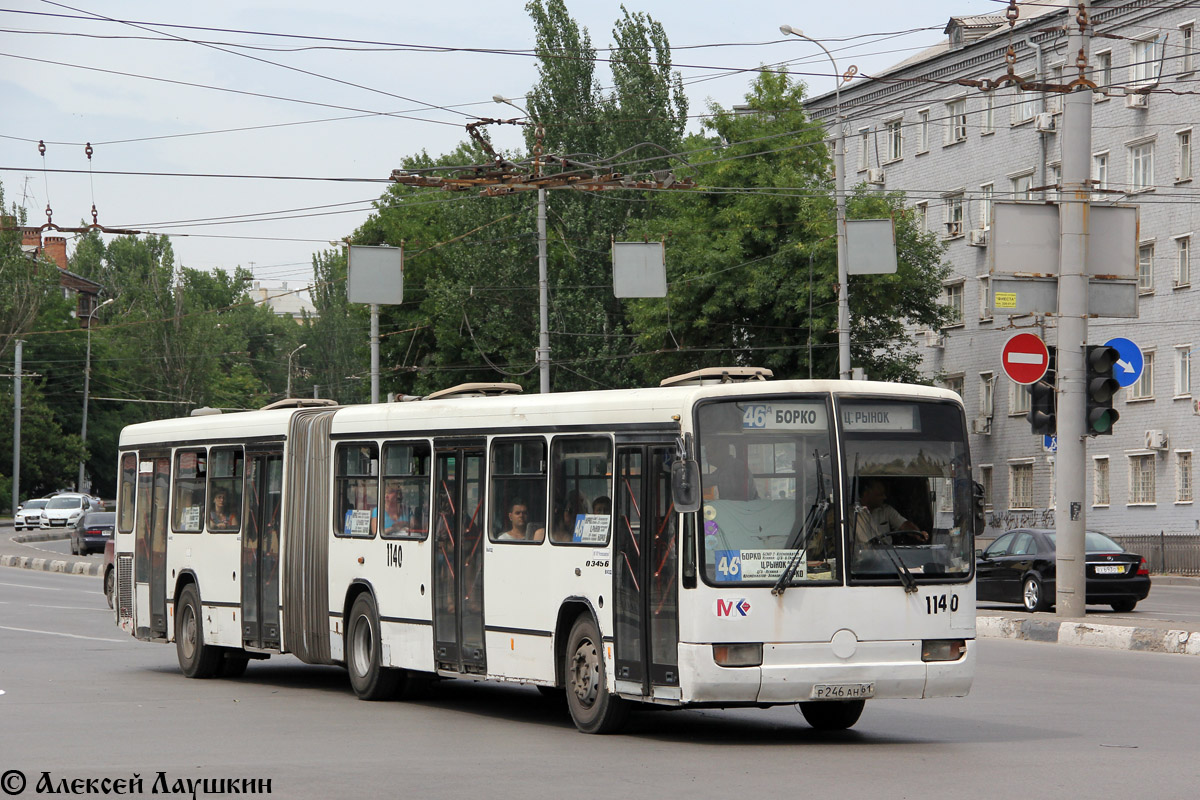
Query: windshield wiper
(800, 537)
(906, 576)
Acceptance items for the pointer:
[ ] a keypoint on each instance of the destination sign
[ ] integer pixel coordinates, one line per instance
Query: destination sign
(895, 417)
(785, 416)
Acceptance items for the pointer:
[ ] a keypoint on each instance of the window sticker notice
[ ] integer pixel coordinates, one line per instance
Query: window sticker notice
(735, 566)
(191, 518)
(591, 529)
(358, 522)
(784, 416)
(890, 417)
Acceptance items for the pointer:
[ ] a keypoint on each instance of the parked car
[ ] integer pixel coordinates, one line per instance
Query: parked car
(92, 531)
(64, 510)
(1018, 567)
(29, 514)
(110, 571)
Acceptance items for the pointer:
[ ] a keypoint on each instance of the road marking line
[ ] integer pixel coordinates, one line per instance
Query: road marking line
(56, 633)
(72, 608)
(31, 586)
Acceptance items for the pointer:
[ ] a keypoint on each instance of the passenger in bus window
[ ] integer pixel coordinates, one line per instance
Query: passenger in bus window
(875, 519)
(602, 505)
(730, 475)
(223, 514)
(566, 513)
(393, 512)
(520, 529)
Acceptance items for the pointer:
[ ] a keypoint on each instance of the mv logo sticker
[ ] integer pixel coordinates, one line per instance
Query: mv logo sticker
(732, 608)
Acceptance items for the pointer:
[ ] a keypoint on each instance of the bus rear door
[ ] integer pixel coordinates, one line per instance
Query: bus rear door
(458, 557)
(260, 550)
(150, 545)
(644, 573)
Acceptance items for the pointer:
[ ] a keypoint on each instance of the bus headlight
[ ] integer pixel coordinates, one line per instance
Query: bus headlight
(943, 649)
(738, 655)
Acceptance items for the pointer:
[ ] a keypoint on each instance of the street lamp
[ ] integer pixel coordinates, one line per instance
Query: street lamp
(543, 351)
(288, 393)
(87, 374)
(839, 188)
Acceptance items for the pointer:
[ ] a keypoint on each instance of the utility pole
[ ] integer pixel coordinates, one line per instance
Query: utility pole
(1070, 519)
(16, 472)
(87, 376)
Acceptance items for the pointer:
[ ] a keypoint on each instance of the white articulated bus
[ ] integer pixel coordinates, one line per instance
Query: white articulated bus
(721, 540)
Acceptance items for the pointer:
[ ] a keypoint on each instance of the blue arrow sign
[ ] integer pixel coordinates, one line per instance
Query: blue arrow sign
(1131, 362)
(1049, 443)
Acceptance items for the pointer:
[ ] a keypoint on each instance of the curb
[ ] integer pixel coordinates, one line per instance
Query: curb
(52, 565)
(1118, 637)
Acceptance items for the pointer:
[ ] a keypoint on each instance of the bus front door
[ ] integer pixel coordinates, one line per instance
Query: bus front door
(150, 545)
(458, 558)
(260, 550)
(644, 573)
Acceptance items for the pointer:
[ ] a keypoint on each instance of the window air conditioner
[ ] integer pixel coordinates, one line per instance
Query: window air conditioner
(1156, 440)
(977, 237)
(934, 339)
(1044, 121)
(1137, 101)
(982, 426)
(875, 176)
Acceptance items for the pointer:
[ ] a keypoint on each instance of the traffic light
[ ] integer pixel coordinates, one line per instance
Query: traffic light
(1101, 386)
(1041, 414)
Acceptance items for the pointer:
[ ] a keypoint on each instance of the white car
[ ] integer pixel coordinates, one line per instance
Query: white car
(29, 514)
(64, 510)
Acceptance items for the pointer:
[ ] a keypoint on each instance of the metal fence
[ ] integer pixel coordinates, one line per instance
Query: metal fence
(1177, 554)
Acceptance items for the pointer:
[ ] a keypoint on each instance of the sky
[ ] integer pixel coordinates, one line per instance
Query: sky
(263, 142)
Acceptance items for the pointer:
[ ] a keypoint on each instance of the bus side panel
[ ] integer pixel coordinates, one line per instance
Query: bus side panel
(400, 571)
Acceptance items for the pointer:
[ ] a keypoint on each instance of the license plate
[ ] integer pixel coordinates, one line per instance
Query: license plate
(1109, 569)
(843, 691)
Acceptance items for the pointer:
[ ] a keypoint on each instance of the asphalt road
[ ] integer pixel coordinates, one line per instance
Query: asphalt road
(82, 700)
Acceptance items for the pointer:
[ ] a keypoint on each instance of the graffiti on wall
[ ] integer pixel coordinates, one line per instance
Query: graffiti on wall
(1008, 520)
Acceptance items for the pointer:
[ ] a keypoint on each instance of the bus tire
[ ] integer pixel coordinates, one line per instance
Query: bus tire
(368, 677)
(832, 715)
(592, 708)
(110, 580)
(196, 659)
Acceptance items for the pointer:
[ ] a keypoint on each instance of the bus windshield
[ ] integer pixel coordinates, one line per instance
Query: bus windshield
(910, 498)
(766, 480)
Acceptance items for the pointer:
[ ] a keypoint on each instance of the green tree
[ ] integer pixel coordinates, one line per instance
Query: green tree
(24, 282)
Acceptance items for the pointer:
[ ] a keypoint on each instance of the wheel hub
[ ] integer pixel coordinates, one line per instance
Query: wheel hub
(585, 673)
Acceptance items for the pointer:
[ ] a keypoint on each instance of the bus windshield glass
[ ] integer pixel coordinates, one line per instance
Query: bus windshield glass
(766, 481)
(910, 497)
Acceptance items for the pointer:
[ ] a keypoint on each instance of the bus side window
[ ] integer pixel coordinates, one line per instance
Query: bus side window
(187, 501)
(225, 470)
(518, 491)
(356, 488)
(404, 511)
(125, 504)
(581, 490)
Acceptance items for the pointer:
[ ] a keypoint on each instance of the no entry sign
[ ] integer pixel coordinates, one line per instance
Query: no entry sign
(1025, 358)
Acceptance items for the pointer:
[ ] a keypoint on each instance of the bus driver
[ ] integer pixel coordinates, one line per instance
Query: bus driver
(875, 518)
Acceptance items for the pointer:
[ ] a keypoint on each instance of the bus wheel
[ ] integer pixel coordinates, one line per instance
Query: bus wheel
(832, 715)
(109, 586)
(233, 665)
(370, 680)
(593, 709)
(196, 659)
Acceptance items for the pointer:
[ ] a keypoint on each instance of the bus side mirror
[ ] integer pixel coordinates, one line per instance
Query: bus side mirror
(685, 485)
(980, 516)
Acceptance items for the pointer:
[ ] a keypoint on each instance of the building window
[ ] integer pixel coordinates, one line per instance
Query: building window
(1020, 485)
(1054, 99)
(1051, 484)
(1183, 370)
(985, 298)
(1143, 66)
(1183, 476)
(1183, 261)
(955, 384)
(954, 215)
(987, 389)
(1184, 171)
(1102, 74)
(1146, 268)
(1018, 399)
(1056, 182)
(1100, 481)
(895, 140)
(953, 299)
(864, 149)
(985, 478)
(1099, 174)
(1022, 186)
(922, 131)
(1141, 480)
(1143, 387)
(986, 193)
(1141, 167)
(1024, 104)
(1187, 61)
(921, 213)
(956, 127)
(989, 113)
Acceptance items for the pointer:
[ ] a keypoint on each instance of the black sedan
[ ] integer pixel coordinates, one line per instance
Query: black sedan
(1018, 567)
(91, 532)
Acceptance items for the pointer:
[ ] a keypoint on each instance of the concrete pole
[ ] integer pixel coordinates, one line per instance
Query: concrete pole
(543, 352)
(16, 471)
(374, 353)
(1070, 517)
(87, 376)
